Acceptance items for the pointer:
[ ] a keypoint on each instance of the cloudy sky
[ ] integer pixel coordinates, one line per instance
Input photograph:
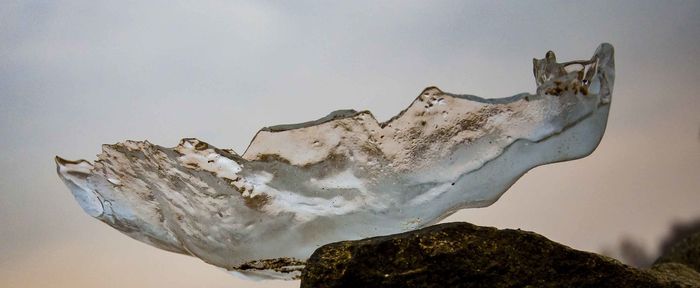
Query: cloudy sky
(77, 74)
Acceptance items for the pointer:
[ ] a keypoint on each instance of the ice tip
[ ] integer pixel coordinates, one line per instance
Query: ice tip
(550, 56)
(431, 89)
(63, 162)
(606, 45)
(606, 49)
(69, 166)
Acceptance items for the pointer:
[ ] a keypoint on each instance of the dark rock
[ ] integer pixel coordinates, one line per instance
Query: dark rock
(465, 255)
(677, 273)
(686, 251)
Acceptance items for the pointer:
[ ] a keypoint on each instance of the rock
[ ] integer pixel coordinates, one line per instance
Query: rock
(465, 255)
(681, 275)
(686, 251)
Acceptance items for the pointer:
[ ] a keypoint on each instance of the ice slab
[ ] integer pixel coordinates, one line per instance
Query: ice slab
(344, 176)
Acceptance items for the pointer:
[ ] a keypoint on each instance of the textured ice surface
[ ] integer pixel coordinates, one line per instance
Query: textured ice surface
(344, 176)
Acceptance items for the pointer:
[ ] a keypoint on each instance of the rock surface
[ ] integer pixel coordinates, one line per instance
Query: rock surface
(686, 252)
(465, 255)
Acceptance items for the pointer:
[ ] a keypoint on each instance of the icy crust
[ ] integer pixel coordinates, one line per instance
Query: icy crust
(344, 176)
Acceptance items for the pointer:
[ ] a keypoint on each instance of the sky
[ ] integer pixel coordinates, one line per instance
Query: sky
(77, 74)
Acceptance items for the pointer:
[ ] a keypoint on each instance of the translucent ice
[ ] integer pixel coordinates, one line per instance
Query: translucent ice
(344, 176)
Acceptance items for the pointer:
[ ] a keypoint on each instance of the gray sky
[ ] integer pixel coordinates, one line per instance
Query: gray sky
(77, 74)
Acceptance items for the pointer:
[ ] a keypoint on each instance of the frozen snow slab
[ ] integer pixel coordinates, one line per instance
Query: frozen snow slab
(344, 176)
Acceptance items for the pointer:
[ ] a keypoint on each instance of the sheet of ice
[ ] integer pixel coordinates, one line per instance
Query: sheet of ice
(344, 176)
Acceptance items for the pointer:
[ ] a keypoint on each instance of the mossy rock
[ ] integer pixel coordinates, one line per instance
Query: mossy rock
(686, 252)
(465, 255)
